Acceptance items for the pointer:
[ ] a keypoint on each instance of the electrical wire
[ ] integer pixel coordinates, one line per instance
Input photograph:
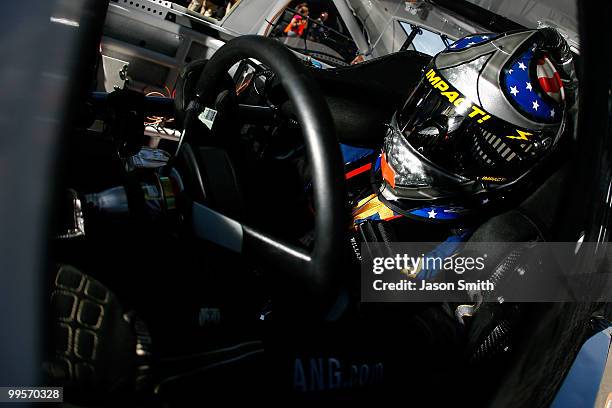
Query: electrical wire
(159, 122)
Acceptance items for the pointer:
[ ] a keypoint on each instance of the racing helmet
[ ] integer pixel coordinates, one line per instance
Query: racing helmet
(488, 110)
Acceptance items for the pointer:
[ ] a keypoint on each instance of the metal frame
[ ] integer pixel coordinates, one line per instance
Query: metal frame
(170, 23)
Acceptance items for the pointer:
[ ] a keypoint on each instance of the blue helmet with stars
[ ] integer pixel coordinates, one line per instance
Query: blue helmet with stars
(488, 110)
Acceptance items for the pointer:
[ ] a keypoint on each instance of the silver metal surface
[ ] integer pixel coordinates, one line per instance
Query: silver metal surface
(113, 73)
(141, 33)
(560, 14)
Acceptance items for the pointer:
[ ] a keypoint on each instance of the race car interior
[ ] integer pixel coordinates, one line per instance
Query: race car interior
(223, 263)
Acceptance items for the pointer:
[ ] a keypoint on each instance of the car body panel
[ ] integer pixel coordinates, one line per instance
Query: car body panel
(582, 383)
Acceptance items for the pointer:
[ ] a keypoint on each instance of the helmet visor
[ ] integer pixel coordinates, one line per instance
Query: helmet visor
(458, 137)
(412, 176)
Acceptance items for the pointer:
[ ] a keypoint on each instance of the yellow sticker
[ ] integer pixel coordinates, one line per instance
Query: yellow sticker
(494, 179)
(454, 97)
(522, 135)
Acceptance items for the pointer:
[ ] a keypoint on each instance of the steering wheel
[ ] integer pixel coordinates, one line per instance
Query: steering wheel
(318, 269)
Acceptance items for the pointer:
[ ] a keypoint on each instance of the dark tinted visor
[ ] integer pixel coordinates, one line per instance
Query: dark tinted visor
(456, 135)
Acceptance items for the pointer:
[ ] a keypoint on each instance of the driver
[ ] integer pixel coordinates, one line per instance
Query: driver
(482, 127)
